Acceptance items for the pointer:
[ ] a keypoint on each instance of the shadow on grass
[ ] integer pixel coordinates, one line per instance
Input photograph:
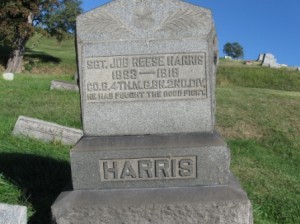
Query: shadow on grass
(4, 53)
(41, 56)
(30, 55)
(41, 179)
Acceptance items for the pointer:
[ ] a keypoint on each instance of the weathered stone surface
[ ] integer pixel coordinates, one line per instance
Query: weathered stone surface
(46, 131)
(13, 214)
(209, 205)
(63, 85)
(150, 161)
(158, 55)
(8, 76)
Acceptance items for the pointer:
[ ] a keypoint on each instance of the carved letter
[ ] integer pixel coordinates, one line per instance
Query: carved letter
(186, 167)
(145, 167)
(128, 171)
(161, 168)
(113, 170)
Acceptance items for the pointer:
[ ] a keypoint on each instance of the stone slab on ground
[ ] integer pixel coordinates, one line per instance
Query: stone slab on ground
(209, 205)
(8, 76)
(147, 67)
(150, 161)
(76, 77)
(46, 131)
(63, 85)
(13, 214)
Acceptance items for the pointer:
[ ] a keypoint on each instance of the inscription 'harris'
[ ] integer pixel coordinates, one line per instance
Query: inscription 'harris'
(148, 169)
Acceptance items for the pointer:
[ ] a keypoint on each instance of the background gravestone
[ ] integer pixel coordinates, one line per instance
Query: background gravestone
(13, 214)
(63, 85)
(147, 76)
(269, 60)
(8, 76)
(261, 57)
(46, 131)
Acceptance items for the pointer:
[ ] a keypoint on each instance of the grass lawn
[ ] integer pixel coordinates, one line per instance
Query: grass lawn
(262, 128)
(33, 173)
(258, 116)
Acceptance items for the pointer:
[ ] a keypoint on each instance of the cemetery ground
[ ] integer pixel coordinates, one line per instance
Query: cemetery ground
(258, 112)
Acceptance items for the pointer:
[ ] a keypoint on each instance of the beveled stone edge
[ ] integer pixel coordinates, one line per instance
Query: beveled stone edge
(90, 144)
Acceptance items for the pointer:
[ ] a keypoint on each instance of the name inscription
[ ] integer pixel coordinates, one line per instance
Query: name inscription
(148, 169)
(145, 77)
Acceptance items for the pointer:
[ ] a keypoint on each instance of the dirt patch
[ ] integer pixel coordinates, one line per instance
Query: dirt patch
(241, 130)
(53, 70)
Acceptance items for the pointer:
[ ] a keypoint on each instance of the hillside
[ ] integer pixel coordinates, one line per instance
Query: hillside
(237, 73)
(47, 56)
(258, 112)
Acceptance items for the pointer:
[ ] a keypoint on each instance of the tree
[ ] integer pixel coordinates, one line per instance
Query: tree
(20, 18)
(234, 50)
(62, 21)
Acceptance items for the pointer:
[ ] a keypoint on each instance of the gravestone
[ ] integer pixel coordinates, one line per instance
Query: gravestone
(76, 77)
(261, 57)
(13, 214)
(63, 85)
(269, 60)
(46, 131)
(149, 153)
(8, 76)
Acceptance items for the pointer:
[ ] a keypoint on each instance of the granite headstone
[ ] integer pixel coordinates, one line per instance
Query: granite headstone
(147, 67)
(261, 57)
(269, 60)
(13, 214)
(8, 76)
(46, 131)
(147, 74)
(63, 85)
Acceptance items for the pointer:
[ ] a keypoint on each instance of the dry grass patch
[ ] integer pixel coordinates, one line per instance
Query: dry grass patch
(241, 130)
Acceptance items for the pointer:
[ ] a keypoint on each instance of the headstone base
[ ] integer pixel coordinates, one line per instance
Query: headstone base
(207, 154)
(221, 204)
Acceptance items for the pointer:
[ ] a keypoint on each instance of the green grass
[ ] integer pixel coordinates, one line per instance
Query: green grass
(46, 56)
(33, 173)
(258, 112)
(262, 128)
(236, 74)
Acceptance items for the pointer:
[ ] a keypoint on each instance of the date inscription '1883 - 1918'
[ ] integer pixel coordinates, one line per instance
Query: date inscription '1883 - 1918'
(148, 169)
(145, 77)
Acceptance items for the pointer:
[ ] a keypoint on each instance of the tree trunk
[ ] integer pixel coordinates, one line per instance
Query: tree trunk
(15, 61)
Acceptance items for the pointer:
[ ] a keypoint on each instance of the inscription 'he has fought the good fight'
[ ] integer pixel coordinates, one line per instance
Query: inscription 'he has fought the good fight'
(145, 77)
(148, 169)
